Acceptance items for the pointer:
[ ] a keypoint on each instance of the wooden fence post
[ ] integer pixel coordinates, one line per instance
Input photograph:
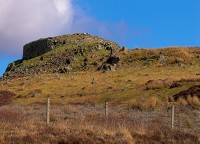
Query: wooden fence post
(48, 110)
(172, 117)
(106, 109)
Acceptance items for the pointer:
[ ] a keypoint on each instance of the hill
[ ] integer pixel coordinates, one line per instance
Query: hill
(81, 67)
(80, 72)
(68, 53)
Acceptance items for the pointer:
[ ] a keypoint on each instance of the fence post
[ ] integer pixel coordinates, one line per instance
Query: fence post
(48, 110)
(172, 117)
(106, 109)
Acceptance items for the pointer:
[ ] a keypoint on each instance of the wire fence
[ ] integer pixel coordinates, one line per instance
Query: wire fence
(49, 112)
(173, 116)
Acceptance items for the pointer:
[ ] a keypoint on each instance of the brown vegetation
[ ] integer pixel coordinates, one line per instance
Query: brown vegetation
(27, 125)
(157, 84)
(145, 104)
(6, 97)
(192, 91)
(142, 78)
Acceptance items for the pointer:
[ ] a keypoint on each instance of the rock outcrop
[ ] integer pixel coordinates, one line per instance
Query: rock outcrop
(42, 46)
(63, 54)
(84, 52)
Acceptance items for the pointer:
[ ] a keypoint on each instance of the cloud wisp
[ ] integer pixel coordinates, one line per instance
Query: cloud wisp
(22, 21)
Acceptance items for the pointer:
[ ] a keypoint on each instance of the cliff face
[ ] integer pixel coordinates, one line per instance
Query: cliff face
(37, 48)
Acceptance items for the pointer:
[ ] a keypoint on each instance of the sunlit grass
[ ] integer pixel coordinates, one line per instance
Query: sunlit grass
(116, 86)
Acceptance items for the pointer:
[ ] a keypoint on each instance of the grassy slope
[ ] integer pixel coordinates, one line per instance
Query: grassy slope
(121, 85)
(26, 124)
(126, 84)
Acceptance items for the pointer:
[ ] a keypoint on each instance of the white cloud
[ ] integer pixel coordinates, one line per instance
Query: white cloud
(62, 6)
(24, 20)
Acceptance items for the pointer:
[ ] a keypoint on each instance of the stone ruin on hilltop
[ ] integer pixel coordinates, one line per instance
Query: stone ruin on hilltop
(75, 52)
(37, 48)
(44, 45)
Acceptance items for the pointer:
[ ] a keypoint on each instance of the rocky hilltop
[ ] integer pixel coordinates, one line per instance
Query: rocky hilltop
(63, 54)
(84, 52)
(42, 46)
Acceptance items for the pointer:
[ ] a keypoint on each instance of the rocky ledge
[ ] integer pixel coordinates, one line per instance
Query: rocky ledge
(63, 54)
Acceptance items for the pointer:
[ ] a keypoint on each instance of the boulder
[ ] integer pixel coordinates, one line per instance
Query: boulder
(113, 60)
(107, 67)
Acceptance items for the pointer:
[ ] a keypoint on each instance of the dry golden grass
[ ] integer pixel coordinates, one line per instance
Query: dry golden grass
(193, 100)
(196, 101)
(182, 102)
(180, 55)
(153, 102)
(190, 100)
(145, 104)
(27, 125)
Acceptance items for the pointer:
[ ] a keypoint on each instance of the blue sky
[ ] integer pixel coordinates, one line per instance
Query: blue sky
(131, 23)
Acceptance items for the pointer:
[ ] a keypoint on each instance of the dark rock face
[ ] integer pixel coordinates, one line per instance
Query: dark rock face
(112, 60)
(37, 48)
(110, 64)
(106, 67)
(192, 91)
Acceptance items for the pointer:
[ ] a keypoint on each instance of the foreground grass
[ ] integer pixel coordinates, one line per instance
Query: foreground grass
(75, 124)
